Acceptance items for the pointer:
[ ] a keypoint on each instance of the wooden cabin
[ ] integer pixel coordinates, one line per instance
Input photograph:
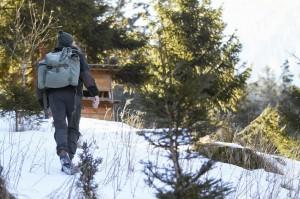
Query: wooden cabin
(103, 77)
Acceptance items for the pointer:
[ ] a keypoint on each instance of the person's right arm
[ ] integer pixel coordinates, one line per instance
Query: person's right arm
(88, 80)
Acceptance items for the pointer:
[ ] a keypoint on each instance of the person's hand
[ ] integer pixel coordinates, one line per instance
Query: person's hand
(96, 101)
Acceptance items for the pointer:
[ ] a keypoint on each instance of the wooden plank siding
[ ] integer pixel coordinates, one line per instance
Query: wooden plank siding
(103, 78)
(103, 112)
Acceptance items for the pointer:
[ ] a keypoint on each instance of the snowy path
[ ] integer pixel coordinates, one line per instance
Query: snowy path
(33, 170)
(31, 163)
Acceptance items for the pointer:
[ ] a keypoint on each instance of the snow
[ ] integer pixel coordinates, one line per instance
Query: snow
(32, 168)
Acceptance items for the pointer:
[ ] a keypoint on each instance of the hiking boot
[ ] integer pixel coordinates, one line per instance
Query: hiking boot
(66, 164)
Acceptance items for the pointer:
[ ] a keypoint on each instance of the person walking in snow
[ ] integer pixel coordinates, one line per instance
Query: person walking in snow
(65, 102)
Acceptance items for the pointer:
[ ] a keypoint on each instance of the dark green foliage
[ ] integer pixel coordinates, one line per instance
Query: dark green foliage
(24, 29)
(132, 74)
(23, 22)
(289, 102)
(189, 185)
(268, 134)
(88, 168)
(248, 108)
(93, 25)
(257, 96)
(267, 91)
(192, 70)
(4, 64)
(205, 190)
(289, 106)
(19, 99)
(286, 75)
(192, 75)
(179, 182)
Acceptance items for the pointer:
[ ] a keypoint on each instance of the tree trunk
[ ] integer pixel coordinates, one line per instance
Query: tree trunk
(175, 156)
(17, 121)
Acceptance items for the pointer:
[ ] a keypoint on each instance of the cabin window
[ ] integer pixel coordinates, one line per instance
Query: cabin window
(104, 94)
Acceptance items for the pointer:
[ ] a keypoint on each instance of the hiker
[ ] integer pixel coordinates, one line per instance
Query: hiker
(65, 101)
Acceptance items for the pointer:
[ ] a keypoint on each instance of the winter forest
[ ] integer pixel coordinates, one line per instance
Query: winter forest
(189, 124)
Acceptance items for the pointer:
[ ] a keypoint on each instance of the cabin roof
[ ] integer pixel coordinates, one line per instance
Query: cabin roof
(104, 67)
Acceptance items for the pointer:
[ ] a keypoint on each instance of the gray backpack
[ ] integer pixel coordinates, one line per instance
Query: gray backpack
(59, 69)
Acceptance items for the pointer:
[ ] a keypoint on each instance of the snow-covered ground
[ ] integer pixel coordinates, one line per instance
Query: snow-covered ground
(32, 169)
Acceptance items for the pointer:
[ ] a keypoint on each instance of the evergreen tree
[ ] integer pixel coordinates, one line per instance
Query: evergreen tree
(258, 96)
(93, 24)
(248, 108)
(18, 99)
(192, 74)
(288, 100)
(24, 29)
(267, 91)
(289, 106)
(286, 75)
(268, 134)
(192, 66)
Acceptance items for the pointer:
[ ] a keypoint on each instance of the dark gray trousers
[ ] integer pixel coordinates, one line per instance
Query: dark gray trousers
(61, 103)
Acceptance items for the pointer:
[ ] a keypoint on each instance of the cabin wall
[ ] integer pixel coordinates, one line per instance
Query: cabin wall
(105, 111)
(103, 80)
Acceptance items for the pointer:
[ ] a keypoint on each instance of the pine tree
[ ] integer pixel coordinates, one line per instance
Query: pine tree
(94, 25)
(288, 100)
(18, 99)
(24, 29)
(289, 106)
(286, 78)
(267, 91)
(268, 134)
(192, 74)
(29, 25)
(286, 75)
(258, 96)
